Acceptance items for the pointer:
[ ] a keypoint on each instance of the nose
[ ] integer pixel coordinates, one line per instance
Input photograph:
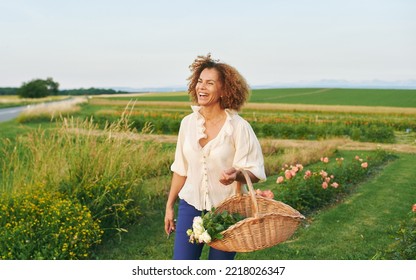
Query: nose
(201, 85)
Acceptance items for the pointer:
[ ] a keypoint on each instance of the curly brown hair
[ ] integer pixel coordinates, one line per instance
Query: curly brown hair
(235, 90)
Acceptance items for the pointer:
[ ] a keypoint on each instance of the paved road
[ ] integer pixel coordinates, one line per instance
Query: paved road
(7, 114)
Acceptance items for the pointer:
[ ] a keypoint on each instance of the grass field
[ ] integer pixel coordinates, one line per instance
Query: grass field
(345, 97)
(311, 96)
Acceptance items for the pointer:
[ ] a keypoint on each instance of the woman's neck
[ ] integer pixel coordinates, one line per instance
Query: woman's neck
(212, 112)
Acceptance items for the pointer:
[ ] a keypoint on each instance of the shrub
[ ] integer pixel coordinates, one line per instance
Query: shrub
(323, 183)
(379, 133)
(404, 247)
(38, 88)
(40, 224)
(111, 203)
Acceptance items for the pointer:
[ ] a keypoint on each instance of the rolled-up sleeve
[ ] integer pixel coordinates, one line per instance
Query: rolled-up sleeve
(249, 155)
(180, 165)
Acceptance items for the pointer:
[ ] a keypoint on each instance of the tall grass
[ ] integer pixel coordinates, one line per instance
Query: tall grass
(74, 152)
(104, 171)
(14, 100)
(51, 111)
(279, 152)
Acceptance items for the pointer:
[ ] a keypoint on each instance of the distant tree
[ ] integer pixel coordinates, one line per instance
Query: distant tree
(53, 87)
(89, 91)
(8, 91)
(38, 88)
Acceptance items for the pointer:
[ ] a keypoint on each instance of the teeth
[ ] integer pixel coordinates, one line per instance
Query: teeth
(203, 94)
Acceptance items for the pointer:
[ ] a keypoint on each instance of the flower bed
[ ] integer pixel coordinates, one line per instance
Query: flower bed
(39, 224)
(323, 183)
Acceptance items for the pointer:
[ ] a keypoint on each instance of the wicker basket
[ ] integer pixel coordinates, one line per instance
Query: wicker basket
(267, 223)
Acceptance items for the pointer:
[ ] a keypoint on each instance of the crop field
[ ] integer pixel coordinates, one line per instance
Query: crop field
(313, 96)
(345, 97)
(286, 114)
(103, 166)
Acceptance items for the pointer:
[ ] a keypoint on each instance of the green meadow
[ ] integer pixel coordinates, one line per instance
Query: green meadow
(313, 96)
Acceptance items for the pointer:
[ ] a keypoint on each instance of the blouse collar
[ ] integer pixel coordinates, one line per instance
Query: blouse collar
(200, 120)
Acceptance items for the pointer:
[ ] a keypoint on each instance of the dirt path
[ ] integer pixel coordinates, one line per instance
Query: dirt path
(345, 144)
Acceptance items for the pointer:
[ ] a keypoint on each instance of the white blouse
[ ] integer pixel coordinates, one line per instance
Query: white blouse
(236, 146)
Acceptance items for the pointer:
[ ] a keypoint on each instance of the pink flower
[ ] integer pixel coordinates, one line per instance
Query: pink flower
(323, 174)
(364, 165)
(357, 157)
(308, 174)
(299, 166)
(414, 207)
(327, 179)
(325, 159)
(334, 184)
(267, 194)
(280, 179)
(288, 174)
(295, 168)
(324, 185)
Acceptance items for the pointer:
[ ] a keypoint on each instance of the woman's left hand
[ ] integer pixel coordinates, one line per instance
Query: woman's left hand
(228, 176)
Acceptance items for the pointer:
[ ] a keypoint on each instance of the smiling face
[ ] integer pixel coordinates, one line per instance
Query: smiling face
(208, 87)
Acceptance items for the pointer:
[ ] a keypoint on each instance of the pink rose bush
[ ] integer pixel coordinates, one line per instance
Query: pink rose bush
(265, 193)
(322, 183)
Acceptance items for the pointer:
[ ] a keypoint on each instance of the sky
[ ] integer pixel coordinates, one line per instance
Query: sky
(137, 44)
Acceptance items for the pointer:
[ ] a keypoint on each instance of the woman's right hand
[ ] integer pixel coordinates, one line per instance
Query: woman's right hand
(169, 221)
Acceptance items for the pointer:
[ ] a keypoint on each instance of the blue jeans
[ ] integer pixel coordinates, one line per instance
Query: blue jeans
(183, 249)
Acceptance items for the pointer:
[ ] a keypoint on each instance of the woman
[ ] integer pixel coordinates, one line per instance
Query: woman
(214, 142)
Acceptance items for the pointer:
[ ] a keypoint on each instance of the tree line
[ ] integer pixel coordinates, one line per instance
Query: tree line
(38, 88)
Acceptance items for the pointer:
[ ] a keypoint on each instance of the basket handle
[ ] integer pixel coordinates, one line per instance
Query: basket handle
(255, 207)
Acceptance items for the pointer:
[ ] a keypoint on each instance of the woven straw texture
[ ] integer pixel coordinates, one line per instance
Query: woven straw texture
(268, 222)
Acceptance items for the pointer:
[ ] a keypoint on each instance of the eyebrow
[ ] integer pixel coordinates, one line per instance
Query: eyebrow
(207, 80)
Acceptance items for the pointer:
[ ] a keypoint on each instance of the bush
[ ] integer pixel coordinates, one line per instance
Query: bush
(381, 134)
(38, 88)
(110, 203)
(40, 224)
(404, 247)
(323, 183)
